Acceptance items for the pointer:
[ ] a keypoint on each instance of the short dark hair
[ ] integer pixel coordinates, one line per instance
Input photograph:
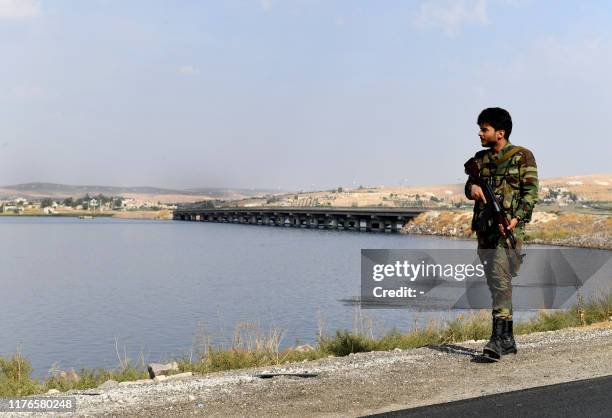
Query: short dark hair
(498, 118)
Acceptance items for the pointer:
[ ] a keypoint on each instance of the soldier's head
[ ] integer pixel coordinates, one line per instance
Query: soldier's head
(495, 126)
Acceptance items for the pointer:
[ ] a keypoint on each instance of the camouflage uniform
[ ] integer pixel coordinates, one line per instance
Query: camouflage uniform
(515, 183)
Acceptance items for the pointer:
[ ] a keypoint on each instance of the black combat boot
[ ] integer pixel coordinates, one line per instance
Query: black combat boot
(508, 343)
(494, 348)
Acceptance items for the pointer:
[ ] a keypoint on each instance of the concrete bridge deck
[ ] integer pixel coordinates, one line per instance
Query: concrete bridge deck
(344, 218)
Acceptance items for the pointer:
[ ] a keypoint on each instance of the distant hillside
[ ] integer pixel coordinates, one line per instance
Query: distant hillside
(593, 188)
(224, 191)
(62, 191)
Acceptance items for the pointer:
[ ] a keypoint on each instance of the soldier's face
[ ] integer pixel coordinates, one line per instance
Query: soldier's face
(489, 136)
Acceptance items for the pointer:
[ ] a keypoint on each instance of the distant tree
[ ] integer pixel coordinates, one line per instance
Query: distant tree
(206, 204)
(45, 203)
(69, 201)
(340, 190)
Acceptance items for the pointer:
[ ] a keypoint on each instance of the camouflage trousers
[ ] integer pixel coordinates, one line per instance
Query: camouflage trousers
(500, 265)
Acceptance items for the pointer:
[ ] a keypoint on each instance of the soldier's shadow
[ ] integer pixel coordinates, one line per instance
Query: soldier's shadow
(476, 356)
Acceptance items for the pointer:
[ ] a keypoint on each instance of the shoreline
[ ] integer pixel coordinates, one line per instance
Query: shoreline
(570, 230)
(165, 215)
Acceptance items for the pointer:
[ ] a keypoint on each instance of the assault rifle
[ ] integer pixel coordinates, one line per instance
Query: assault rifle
(473, 171)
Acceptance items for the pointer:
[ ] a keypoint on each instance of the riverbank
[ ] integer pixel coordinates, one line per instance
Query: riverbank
(565, 229)
(364, 383)
(130, 214)
(253, 348)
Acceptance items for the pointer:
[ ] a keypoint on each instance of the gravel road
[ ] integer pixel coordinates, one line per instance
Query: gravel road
(365, 383)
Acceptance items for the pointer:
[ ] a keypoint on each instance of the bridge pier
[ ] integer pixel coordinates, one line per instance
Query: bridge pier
(332, 222)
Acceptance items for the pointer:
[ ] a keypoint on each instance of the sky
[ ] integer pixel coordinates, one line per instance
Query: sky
(296, 95)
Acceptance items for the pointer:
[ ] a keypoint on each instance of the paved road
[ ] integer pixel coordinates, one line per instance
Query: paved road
(582, 398)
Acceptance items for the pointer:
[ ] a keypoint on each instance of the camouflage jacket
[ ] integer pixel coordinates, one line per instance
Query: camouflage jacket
(514, 182)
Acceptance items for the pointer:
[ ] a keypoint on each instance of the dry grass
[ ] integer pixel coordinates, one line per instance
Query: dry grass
(250, 346)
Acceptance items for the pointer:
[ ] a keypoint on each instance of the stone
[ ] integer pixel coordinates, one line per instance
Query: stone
(179, 375)
(304, 348)
(142, 381)
(135, 382)
(52, 391)
(109, 384)
(160, 378)
(156, 369)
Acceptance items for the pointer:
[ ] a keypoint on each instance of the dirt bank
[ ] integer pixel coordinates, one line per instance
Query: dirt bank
(144, 214)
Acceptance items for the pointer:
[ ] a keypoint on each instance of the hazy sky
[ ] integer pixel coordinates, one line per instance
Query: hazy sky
(296, 94)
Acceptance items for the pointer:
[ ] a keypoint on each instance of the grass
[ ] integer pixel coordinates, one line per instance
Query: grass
(252, 347)
(15, 377)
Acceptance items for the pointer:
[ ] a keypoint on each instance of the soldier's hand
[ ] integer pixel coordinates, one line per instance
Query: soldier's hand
(511, 225)
(477, 193)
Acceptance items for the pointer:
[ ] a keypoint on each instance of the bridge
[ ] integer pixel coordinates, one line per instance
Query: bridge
(342, 218)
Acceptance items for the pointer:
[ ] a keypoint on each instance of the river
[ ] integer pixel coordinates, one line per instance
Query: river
(75, 290)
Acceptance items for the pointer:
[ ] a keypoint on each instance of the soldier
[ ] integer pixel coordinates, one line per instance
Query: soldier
(512, 173)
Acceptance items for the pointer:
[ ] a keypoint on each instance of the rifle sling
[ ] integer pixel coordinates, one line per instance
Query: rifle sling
(508, 155)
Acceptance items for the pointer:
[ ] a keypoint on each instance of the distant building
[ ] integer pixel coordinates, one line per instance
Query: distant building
(12, 208)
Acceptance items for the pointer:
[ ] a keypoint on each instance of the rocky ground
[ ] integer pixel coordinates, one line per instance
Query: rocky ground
(567, 229)
(363, 383)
